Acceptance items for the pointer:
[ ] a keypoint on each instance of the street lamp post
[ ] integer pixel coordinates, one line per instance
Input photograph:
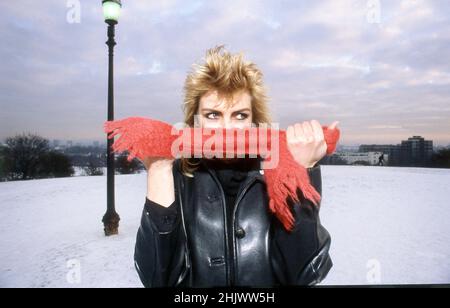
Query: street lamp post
(111, 12)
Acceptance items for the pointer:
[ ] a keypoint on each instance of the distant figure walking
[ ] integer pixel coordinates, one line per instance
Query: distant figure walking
(381, 160)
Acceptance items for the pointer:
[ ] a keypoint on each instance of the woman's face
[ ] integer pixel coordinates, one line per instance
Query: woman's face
(214, 111)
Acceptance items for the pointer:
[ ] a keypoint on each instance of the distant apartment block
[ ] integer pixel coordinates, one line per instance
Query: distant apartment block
(415, 152)
(371, 158)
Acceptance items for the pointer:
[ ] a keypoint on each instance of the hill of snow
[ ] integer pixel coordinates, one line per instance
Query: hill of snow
(388, 225)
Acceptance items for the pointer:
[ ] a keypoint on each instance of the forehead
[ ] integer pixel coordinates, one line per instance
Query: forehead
(213, 99)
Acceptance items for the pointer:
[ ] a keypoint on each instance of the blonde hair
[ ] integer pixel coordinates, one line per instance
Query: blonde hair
(227, 74)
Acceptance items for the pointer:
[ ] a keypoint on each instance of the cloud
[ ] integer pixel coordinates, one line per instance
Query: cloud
(383, 126)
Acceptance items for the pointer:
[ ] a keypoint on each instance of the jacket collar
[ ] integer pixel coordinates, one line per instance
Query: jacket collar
(257, 173)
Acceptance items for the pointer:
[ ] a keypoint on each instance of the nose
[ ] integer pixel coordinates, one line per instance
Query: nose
(227, 123)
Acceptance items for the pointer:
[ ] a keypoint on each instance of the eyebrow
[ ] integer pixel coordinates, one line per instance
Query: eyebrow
(240, 110)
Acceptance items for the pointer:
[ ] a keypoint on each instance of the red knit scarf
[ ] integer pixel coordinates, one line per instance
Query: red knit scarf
(144, 137)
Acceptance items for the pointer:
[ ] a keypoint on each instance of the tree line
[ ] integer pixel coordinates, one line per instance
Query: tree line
(29, 156)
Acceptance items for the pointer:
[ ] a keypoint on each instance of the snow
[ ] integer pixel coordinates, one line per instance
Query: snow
(388, 225)
(393, 219)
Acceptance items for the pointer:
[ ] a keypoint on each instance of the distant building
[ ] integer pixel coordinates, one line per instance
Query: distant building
(414, 152)
(391, 150)
(96, 144)
(347, 148)
(371, 158)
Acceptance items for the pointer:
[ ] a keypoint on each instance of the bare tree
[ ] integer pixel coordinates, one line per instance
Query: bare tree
(441, 159)
(29, 156)
(123, 166)
(92, 169)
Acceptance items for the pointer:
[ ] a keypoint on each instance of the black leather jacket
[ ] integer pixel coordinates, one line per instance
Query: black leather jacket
(195, 251)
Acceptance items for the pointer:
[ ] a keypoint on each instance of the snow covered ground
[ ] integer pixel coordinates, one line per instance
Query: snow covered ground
(388, 225)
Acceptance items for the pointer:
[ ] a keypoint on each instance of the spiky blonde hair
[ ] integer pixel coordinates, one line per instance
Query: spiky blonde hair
(227, 74)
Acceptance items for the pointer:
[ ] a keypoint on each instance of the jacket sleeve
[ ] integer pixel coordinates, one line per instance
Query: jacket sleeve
(301, 257)
(159, 255)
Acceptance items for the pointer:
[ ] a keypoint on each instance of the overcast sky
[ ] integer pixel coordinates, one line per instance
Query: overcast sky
(382, 71)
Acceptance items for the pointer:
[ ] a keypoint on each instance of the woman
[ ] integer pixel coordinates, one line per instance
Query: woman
(206, 221)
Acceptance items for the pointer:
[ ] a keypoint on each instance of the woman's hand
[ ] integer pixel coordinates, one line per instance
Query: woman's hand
(306, 142)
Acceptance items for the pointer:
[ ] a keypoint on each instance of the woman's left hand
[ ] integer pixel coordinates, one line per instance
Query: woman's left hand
(306, 142)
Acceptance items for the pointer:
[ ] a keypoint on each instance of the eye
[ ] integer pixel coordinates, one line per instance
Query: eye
(242, 116)
(212, 115)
